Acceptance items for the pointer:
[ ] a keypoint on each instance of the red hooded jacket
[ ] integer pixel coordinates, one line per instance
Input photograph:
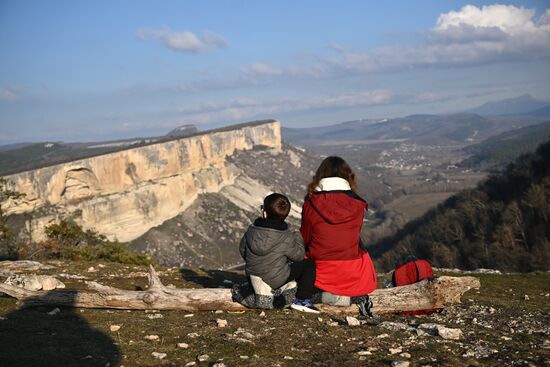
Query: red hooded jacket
(331, 222)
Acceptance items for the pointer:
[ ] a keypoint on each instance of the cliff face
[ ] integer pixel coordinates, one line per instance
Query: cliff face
(124, 194)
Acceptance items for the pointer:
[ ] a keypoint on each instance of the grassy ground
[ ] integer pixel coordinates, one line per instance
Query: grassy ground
(500, 328)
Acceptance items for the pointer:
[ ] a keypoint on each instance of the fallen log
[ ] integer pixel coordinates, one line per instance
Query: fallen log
(427, 294)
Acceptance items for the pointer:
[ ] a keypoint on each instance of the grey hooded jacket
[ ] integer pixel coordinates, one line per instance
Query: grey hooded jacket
(267, 252)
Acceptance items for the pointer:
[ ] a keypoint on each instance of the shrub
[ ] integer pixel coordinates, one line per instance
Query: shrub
(68, 240)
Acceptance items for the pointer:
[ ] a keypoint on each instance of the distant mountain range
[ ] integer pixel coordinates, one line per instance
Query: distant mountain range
(521, 105)
(460, 128)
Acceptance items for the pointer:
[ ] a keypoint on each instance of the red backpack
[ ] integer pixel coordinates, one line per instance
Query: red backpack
(412, 272)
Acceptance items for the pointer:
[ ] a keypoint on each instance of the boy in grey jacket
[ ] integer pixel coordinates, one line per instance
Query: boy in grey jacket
(275, 255)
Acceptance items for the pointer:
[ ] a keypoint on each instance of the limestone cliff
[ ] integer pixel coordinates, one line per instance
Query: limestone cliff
(126, 193)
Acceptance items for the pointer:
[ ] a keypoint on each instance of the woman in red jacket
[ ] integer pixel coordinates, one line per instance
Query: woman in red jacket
(332, 217)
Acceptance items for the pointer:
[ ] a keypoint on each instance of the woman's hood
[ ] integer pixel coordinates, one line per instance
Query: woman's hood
(338, 206)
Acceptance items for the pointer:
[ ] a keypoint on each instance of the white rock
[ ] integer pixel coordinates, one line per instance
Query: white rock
(115, 328)
(526, 297)
(189, 315)
(405, 355)
(243, 357)
(395, 350)
(441, 330)
(91, 269)
(221, 322)
(352, 321)
(191, 364)
(449, 333)
(218, 311)
(54, 312)
(288, 357)
(159, 355)
(262, 314)
(151, 337)
(218, 364)
(364, 353)
(203, 358)
(382, 336)
(183, 345)
(400, 364)
(193, 335)
(155, 316)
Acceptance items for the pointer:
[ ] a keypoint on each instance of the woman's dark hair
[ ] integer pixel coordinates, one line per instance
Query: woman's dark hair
(333, 167)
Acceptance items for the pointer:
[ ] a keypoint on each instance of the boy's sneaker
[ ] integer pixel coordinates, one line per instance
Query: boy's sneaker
(304, 306)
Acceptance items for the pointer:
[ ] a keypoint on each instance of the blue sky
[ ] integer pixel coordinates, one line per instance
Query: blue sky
(82, 71)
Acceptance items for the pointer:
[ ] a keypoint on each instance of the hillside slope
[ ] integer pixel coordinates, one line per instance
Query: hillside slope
(502, 149)
(502, 224)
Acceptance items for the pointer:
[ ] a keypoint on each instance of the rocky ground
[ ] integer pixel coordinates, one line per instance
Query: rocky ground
(506, 322)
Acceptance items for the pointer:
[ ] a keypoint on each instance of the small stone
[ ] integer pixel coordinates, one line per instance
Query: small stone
(159, 355)
(505, 338)
(91, 269)
(262, 314)
(288, 357)
(221, 322)
(400, 363)
(189, 315)
(332, 323)
(547, 295)
(320, 319)
(155, 316)
(218, 364)
(352, 321)
(151, 337)
(364, 353)
(54, 312)
(243, 357)
(526, 297)
(115, 328)
(203, 358)
(191, 364)
(405, 355)
(100, 265)
(183, 345)
(193, 335)
(395, 350)
(449, 333)
(492, 310)
(218, 311)
(382, 336)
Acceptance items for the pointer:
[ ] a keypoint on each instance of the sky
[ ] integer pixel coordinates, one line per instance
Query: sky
(100, 70)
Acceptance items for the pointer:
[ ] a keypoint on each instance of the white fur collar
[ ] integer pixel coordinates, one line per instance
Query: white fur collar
(332, 184)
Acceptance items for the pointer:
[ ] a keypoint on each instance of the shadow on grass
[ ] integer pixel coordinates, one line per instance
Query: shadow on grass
(32, 337)
(212, 278)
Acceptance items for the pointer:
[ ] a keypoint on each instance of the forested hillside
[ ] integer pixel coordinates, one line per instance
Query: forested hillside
(497, 151)
(501, 224)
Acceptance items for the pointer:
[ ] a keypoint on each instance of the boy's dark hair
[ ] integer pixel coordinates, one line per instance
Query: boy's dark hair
(276, 206)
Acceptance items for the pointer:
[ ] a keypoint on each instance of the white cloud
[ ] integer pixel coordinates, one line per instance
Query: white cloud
(471, 35)
(8, 94)
(261, 69)
(243, 108)
(184, 41)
